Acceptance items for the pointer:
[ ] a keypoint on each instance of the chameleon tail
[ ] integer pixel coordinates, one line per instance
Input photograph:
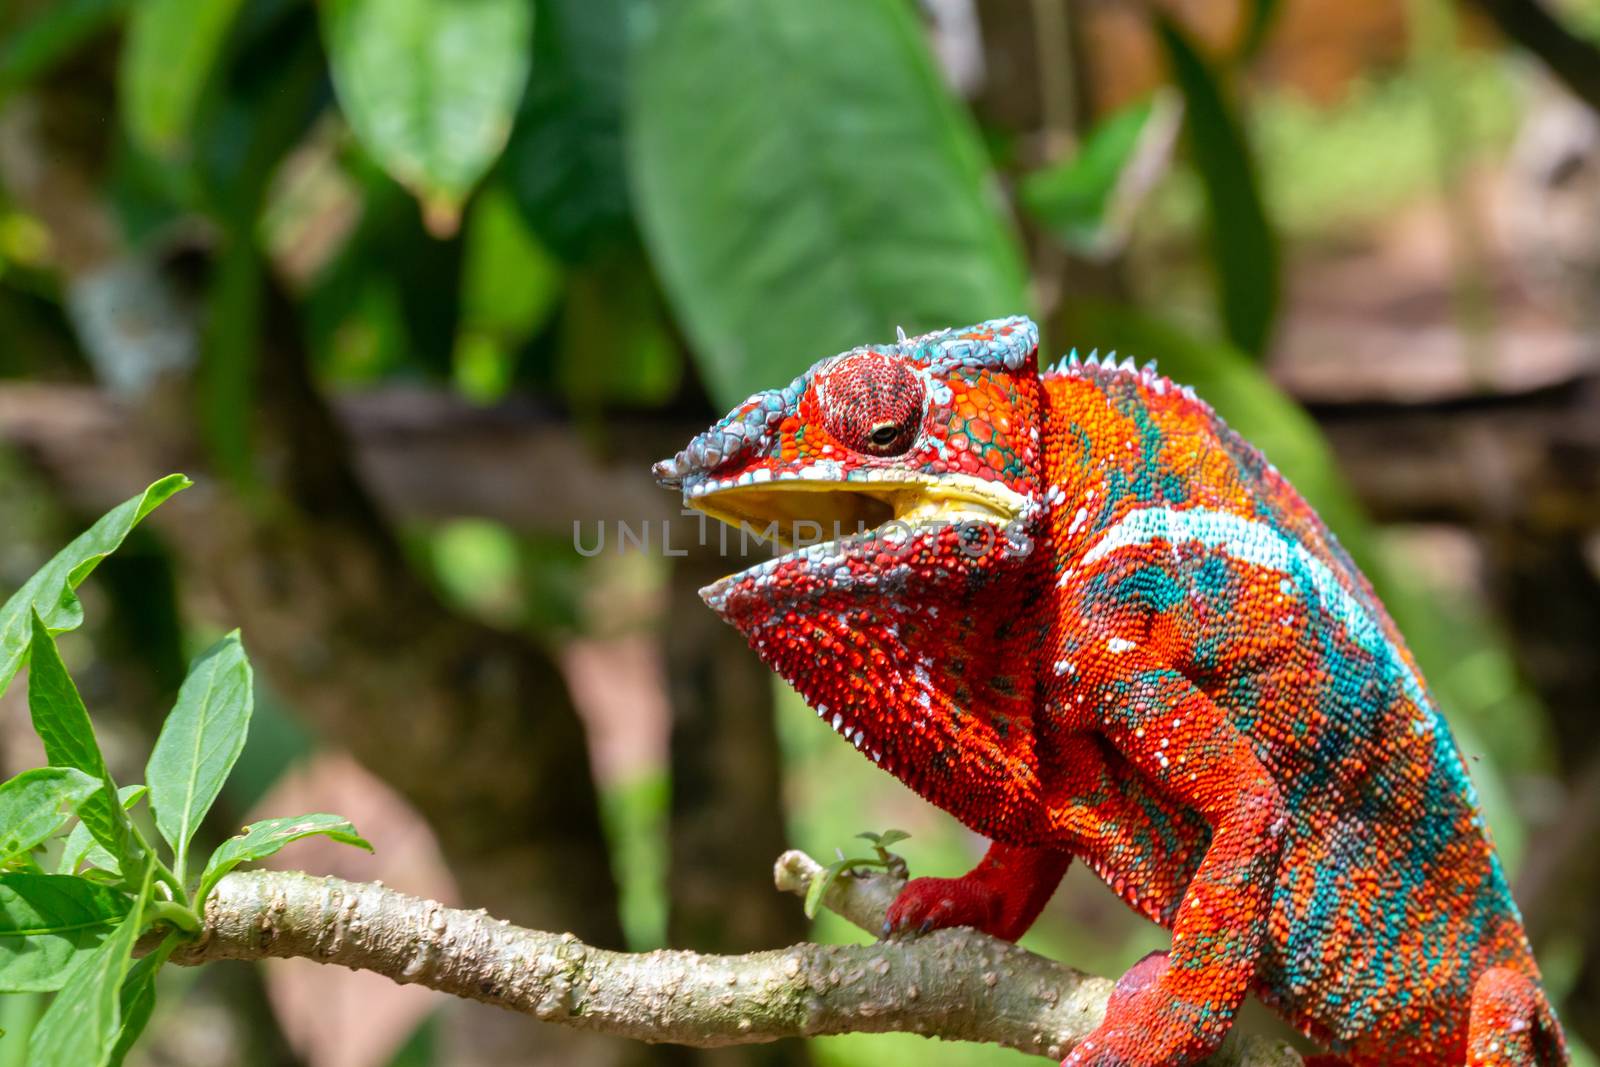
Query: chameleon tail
(1512, 1024)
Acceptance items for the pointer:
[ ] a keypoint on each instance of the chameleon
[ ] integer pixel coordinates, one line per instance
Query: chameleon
(1075, 610)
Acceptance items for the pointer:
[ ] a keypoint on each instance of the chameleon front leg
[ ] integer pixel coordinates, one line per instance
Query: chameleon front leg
(1001, 896)
(1511, 1023)
(1177, 1010)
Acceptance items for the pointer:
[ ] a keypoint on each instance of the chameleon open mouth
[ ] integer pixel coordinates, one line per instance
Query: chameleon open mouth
(804, 514)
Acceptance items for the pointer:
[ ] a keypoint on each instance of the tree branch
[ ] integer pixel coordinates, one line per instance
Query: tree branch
(956, 984)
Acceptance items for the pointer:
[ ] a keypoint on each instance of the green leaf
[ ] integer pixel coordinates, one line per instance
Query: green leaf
(171, 49)
(430, 87)
(18, 1013)
(270, 87)
(80, 1027)
(819, 888)
(806, 183)
(37, 803)
(881, 843)
(825, 878)
(1244, 251)
(263, 839)
(46, 922)
(510, 285)
(58, 30)
(50, 590)
(81, 847)
(62, 723)
(200, 742)
(617, 346)
(138, 998)
(228, 375)
(565, 158)
(1073, 197)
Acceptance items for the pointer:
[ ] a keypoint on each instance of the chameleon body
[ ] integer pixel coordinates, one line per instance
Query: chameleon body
(1079, 613)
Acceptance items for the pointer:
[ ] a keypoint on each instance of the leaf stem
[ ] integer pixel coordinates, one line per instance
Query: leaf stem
(173, 915)
(163, 873)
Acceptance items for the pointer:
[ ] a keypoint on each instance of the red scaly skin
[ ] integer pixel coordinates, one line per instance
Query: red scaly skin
(1002, 895)
(1087, 619)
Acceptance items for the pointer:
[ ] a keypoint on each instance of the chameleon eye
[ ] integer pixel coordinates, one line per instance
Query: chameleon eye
(890, 438)
(873, 404)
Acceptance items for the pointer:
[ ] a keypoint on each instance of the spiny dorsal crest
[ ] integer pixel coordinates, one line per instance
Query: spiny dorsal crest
(1100, 368)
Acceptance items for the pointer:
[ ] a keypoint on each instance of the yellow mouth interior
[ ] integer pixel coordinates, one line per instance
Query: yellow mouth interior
(812, 511)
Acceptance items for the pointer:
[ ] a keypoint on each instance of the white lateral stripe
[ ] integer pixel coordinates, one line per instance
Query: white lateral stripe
(1258, 544)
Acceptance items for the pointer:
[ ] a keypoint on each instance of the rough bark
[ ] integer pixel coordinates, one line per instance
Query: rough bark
(956, 984)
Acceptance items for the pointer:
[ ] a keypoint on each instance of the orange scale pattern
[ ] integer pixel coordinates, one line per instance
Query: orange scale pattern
(1167, 667)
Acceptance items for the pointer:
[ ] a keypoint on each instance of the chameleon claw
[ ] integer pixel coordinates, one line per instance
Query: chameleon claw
(927, 924)
(887, 929)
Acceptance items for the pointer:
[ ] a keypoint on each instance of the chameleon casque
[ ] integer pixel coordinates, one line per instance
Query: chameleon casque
(1079, 613)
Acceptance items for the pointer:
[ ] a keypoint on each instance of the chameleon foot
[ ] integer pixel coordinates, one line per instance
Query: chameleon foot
(1144, 1025)
(936, 903)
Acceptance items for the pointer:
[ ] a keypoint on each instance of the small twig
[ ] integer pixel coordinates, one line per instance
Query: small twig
(956, 984)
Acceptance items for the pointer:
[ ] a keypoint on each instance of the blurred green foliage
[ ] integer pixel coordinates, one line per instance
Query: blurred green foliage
(1319, 173)
(1074, 195)
(839, 190)
(428, 87)
(1244, 250)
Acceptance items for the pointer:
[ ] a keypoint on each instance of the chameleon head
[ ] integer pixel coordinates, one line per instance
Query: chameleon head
(878, 450)
(902, 478)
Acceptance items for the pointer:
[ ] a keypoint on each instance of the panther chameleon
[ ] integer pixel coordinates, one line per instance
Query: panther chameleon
(1078, 612)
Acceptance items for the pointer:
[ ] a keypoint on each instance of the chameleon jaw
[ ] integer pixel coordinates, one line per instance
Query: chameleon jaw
(812, 515)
